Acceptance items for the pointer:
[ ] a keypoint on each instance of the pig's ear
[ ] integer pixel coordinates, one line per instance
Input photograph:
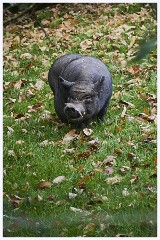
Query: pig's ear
(98, 84)
(65, 83)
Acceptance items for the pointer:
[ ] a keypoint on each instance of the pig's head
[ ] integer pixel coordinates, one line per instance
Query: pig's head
(81, 100)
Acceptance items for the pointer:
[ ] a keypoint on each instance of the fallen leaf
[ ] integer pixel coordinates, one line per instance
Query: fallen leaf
(16, 40)
(148, 118)
(127, 103)
(87, 131)
(19, 142)
(109, 159)
(14, 198)
(90, 228)
(58, 223)
(47, 116)
(12, 100)
(86, 44)
(39, 85)
(44, 143)
(11, 153)
(80, 169)
(38, 198)
(118, 129)
(34, 108)
(118, 151)
(121, 235)
(69, 136)
(59, 179)
(60, 203)
(93, 142)
(116, 95)
(10, 130)
(123, 112)
(70, 150)
(24, 130)
(113, 180)
(27, 185)
(26, 56)
(125, 192)
(45, 22)
(78, 210)
(134, 178)
(104, 198)
(123, 169)
(18, 84)
(19, 115)
(51, 197)
(72, 195)
(44, 185)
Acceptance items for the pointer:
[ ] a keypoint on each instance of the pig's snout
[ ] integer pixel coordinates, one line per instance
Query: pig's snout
(74, 111)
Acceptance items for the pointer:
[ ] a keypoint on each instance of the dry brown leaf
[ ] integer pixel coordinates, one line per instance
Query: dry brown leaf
(47, 116)
(69, 136)
(26, 56)
(121, 235)
(38, 198)
(24, 130)
(126, 103)
(18, 84)
(148, 118)
(34, 108)
(134, 178)
(78, 210)
(44, 185)
(10, 130)
(86, 44)
(69, 150)
(109, 159)
(19, 142)
(39, 85)
(93, 142)
(27, 185)
(116, 95)
(118, 129)
(45, 22)
(15, 199)
(125, 192)
(44, 143)
(87, 131)
(51, 197)
(123, 112)
(118, 151)
(89, 228)
(98, 170)
(113, 180)
(60, 203)
(11, 153)
(59, 179)
(72, 195)
(123, 169)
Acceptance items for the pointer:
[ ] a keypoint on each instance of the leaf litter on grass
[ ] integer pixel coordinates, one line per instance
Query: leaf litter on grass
(100, 162)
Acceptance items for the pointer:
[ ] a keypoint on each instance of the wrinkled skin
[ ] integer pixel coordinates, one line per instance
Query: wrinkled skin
(82, 88)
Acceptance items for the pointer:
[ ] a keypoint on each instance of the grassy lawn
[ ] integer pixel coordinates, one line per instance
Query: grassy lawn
(97, 182)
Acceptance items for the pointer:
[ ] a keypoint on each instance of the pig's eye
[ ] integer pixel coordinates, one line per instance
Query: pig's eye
(87, 98)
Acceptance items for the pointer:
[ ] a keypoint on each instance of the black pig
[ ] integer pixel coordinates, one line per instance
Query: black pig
(82, 88)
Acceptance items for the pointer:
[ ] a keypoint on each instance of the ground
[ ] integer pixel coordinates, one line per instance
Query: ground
(100, 181)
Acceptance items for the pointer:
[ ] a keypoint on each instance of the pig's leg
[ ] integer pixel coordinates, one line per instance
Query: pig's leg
(101, 115)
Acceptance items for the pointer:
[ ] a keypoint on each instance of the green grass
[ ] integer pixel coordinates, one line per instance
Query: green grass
(131, 140)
